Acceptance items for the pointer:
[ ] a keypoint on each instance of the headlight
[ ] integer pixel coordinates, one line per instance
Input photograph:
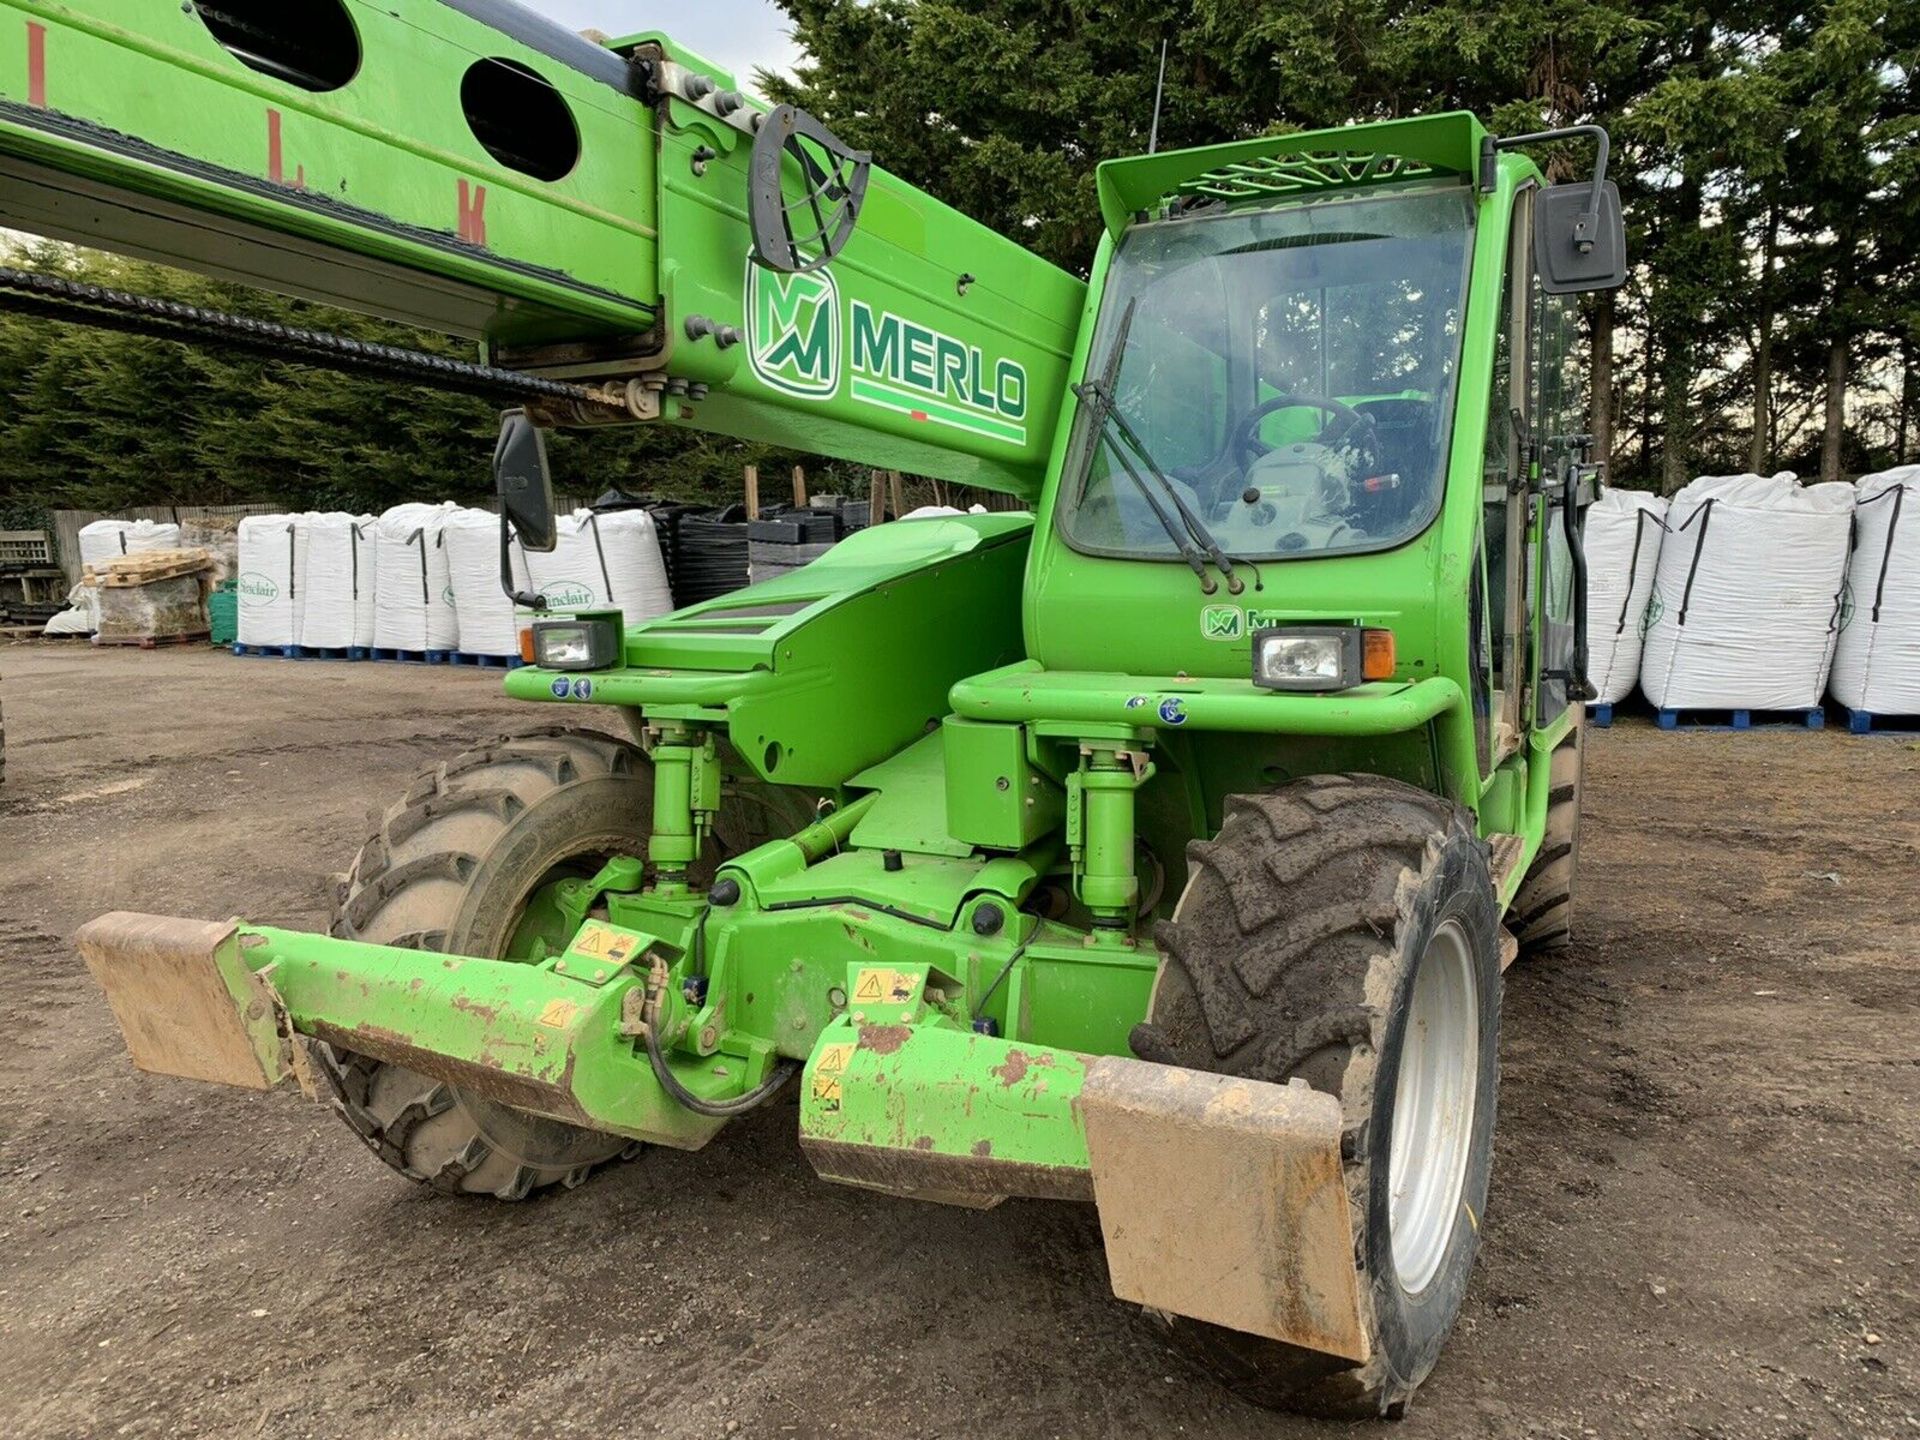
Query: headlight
(1320, 657)
(574, 644)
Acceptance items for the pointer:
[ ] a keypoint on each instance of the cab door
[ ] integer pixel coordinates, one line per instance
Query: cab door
(1502, 646)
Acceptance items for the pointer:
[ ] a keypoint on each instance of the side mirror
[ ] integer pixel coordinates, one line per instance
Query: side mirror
(1579, 241)
(523, 482)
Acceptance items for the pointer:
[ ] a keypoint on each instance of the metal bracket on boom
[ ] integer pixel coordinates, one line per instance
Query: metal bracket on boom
(729, 107)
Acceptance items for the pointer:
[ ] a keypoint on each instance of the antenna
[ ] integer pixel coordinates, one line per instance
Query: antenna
(1159, 89)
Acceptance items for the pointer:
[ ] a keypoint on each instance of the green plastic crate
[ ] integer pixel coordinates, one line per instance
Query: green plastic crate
(223, 614)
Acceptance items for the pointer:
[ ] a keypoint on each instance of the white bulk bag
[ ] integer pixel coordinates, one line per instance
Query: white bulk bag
(103, 540)
(610, 560)
(82, 615)
(337, 585)
(1747, 596)
(268, 585)
(412, 607)
(1622, 542)
(1876, 662)
(109, 539)
(485, 615)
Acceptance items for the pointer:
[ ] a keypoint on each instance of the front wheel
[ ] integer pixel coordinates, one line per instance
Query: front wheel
(468, 862)
(474, 860)
(1343, 930)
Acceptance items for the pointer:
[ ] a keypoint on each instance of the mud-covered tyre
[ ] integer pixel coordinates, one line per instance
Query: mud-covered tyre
(1541, 916)
(451, 867)
(1343, 930)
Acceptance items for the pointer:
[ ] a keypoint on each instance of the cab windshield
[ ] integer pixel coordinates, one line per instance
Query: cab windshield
(1288, 373)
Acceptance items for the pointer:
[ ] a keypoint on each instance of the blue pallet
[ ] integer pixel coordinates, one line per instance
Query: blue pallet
(1866, 722)
(485, 662)
(304, 652)
(1710, 719)
(410, 657)
(1600, 714)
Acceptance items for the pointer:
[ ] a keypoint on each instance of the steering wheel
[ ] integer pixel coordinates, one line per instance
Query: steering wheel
(1346, 421)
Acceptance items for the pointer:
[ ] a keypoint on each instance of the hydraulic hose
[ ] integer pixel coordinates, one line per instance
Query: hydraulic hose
(723, 1109)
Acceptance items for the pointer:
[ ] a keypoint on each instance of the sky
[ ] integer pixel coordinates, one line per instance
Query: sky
(739, 34)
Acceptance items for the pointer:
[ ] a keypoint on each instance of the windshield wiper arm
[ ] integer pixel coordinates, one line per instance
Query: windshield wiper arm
(1182, 541)
(1113, 423)
(1195, 526)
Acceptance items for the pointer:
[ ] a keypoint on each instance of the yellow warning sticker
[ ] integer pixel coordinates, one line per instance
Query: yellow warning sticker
(826, 1073)
(603, 942)
(885, 987)
(559, 1014)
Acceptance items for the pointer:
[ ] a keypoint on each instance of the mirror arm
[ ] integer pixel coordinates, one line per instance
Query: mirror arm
(1579, 684)
(520, 598)
(1586, 226)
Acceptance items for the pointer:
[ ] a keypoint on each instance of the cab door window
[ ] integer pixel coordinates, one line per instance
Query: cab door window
(1500, 640)
(1559, 409)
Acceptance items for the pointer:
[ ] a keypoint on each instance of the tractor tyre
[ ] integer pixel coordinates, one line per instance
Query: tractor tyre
(459, 865)
(1343, 930)
(1541, 916)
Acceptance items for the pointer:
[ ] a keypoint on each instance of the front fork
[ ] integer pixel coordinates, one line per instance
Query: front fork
(907, 1091)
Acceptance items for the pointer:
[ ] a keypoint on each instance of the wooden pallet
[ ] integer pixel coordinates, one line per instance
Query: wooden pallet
(154, 642)
(147, 567)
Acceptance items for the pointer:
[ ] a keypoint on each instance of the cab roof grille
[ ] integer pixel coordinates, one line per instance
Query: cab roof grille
(1383, 152)
(1293, 174)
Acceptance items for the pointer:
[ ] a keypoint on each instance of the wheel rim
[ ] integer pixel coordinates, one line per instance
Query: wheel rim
(1433, 1107)
(548, 917)
(543, 926)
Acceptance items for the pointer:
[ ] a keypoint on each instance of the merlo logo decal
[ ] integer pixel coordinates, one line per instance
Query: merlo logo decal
(1221, 622)
(793, 330)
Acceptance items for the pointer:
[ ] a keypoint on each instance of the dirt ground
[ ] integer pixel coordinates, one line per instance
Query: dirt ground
(1705, 1219)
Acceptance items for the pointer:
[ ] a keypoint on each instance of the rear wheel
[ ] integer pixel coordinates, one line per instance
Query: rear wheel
(1343, 930)
(1541, 916)
(474, 860)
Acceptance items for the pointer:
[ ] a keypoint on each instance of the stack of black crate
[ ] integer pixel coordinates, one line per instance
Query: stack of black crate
(783, 540)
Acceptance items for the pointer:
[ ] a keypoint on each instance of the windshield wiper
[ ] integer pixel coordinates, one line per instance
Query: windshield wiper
(1099, 395)
(1181, 540)
(1196, 537)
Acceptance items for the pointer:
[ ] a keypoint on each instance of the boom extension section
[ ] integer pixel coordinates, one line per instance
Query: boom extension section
(619, 215)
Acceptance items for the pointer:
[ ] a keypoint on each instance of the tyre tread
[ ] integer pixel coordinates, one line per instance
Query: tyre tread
(401, 890)
(1287, 985)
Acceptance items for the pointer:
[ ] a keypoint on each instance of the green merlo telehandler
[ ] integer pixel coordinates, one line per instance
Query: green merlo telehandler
(1161, 847)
